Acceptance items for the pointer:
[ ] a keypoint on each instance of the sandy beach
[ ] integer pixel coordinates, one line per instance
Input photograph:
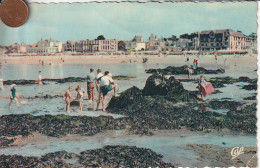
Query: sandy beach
(152, 59)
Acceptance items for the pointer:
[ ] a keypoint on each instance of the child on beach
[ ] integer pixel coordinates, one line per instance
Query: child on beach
(79, 98)
(67, 99)
(13, 96)
(81, 89)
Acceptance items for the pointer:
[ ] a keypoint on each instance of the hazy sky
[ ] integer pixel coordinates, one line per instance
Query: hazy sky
(124, 20)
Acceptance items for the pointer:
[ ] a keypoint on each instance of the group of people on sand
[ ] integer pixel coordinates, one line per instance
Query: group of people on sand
(205, 88)
(103, 83)
(192, 67)
(195, 63)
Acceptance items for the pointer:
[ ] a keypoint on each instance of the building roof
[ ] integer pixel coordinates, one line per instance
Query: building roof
(138, 39)
(232, 32)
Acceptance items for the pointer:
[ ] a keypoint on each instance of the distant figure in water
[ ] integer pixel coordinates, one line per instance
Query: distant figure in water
(1, 84)
(13, 96)
(40, 76)
(197, 63)
(67, 99)
(79, 98)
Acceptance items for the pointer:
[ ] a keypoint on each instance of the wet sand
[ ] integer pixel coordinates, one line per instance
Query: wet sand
(154, 59)
(217, 156)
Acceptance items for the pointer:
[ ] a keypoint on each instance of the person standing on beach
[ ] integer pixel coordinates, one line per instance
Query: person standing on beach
(13, 96)
(190, 72)
(90, 84)
(202, 87)
(67, 99)
(81, 89)
(99, 75)
(106, 85)
(194, 64)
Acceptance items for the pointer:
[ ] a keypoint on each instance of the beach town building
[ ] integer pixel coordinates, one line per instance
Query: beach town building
(136, 44)
(251, 42)
(180, 44)
(109, 45)
(45, 46)
(170, 46)
(3, 50)
(74, 46)
(154, 44)
(225, 39)
(17, 48)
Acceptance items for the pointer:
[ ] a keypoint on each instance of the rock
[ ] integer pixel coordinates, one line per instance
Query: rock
(4, 142)
(127, 97)
(62, 80)
(28, 161)
(250, 98)
(74, 103)
(172, 70)
(250, 87)
(217, 104)
(122, 156)
(244, 119)
(108, 156)
(22, 82)
(157, 84)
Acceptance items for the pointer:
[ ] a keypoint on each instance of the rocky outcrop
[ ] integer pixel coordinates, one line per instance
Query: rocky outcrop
(61, 80)
(172, 70)
(122, 156)
(109, 156)
(59, 125)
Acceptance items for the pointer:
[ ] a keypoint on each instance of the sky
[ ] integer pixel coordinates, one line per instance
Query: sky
(123, 21)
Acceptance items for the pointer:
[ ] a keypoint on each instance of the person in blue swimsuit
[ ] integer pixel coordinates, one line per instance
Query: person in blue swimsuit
(13, 96)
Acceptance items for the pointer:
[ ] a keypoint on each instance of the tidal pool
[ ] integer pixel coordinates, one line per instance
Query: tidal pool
(171, 144)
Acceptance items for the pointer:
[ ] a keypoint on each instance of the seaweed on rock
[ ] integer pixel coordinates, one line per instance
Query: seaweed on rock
(172, 70)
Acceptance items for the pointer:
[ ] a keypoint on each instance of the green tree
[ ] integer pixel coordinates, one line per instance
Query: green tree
(100, 37)
(121, 46)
